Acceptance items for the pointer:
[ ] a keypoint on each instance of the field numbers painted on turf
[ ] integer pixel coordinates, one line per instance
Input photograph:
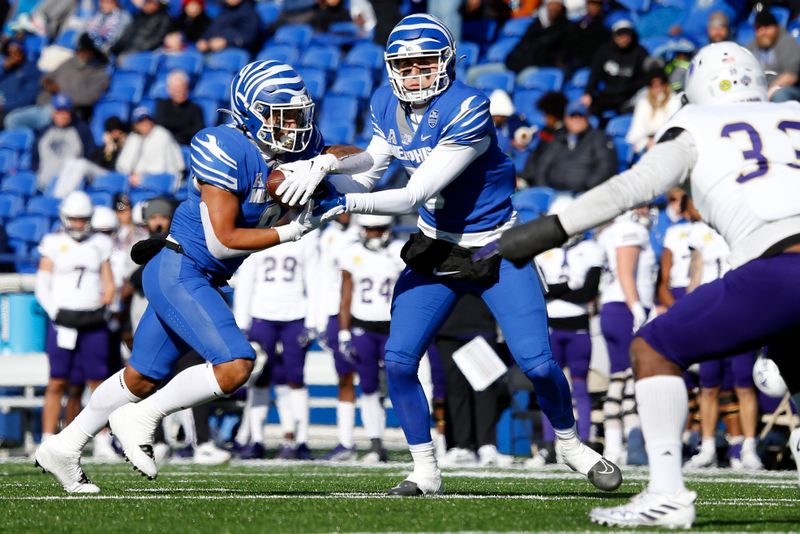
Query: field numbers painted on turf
(755, 151)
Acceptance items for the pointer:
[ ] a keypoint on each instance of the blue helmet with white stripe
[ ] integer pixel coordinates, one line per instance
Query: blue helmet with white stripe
(270, 100)
(420, 58)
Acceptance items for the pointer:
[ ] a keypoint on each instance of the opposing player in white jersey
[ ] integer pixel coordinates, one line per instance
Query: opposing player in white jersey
(674, 263)
(742, 155)
(626, 298)
(273, 299)
(709, 261)
(370, 268)
(336, 236)
(74, 284)
(572, 274)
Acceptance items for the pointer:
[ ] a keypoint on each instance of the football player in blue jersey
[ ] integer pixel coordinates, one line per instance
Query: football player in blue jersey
(461, 182)
(228, 215)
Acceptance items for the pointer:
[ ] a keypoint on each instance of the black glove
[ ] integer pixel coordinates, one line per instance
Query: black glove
(521, 244)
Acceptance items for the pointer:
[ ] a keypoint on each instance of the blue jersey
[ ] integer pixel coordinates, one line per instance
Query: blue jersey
(225, 157)
(480, 198)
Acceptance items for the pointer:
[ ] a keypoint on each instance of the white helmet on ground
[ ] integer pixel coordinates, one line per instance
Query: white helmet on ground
(76, 205)
(368, 221)
(104, 219)
(768, 378)
(724, 73)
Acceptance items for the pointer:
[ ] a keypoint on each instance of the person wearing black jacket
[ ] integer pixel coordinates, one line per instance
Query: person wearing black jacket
(585, 37)
(573, 277)
(578, 158)
(618, 71)
(182, 117)
(542, 43)
(147, 30)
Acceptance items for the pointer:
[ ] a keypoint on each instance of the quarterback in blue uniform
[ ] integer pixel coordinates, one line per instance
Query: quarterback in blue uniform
(228, 215)
(461, 183)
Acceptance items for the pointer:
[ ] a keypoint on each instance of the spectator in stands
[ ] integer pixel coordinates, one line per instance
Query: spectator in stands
(108, 25)
(188, 27)
(115, 132)
(147, 30)
(679, 57)
(329, 12)
(578, 158)
(149, 149)
(363, 16)
(585, 37)
(618, 71)
(543, 41)
(83, 78)
(512, 130)
(553, 105)
(236, 25)
(652, 109)
(390, 16)
(497, 10)
(47, 19)
(778, 52)
(66, 139)
(19, 79)
(718, 28)
(182, 117)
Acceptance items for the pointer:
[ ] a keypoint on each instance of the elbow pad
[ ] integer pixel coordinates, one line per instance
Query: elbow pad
(521, 244)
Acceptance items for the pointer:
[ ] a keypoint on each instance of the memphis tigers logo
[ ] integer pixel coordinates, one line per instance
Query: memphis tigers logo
(433, 118)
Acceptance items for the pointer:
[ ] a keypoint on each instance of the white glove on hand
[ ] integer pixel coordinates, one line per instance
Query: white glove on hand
(305, 222)
(639, 316)
(303, 177)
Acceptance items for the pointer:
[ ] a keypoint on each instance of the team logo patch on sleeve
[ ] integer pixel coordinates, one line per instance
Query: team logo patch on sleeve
(433, 118)
(259, 193)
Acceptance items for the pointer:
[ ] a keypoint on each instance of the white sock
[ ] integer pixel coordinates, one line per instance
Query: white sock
(424, 460)
(191, 387)
(299, 400)
(708, 445)
(372, 415)
(243, 434)
(45, 436)
(284, 409)
(749, 444)
(108, 396)
(258, 412)
(345, 422)
(663, 405)
(612, 430)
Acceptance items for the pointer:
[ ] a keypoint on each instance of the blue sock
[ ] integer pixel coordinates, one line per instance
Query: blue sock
(409, 401)
(552, 391)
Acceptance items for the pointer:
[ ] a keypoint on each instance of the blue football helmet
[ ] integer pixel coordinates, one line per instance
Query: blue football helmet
(270, 100)
(420, 36)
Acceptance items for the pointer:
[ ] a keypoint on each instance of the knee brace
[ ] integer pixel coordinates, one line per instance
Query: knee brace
(629, 397)
(728, 404)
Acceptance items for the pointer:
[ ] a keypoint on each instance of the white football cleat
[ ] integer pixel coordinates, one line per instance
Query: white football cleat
(416, 485)
(457, 457)
(650, 510)
(704, 458)
(794, 446)
(209, 454)
(750, 460)
(487, 455)
(602, 473)
(135, 431)
(103, 451)
(65, 466)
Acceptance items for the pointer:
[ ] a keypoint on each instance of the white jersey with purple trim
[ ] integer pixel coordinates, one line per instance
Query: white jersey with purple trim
(746, 179)
(714, 249)
(333, 241)
(278, 283)
(76, 282)
(374, 275)
(676, 239)
(625, 232)
(569, 265)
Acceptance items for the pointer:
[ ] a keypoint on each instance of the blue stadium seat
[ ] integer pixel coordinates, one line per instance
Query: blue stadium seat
(481, 31)
(145, 63)
(315, 80)
(625, 153)
(337, 132)
(112, 183)
(498, 51)
(470, 51)
(102, 198)
(353, 81)
(209, 107)
(532, 202)
(781, 13)
(268, 12)
(525, 102)
(34, 45)
(321, 57)
(68, 39)
(158, 89)
(339, 34)
(228, 60)
(298, 35)
(368, 55)
(126, 87)
(619, 126)
(639, 6)
(28, 229)
(19, 140)
(190, 62)
(745, 34)
(160, 183)
(489, 81)
(515, 27)
(344, 108)
(22, 184)
(653, 42)
(285, 53)
(545, 78)
(140, 195)
(44, 206)
(215, 85)
(8, 161)
(580, 78)
(102, 111)
(10, 206)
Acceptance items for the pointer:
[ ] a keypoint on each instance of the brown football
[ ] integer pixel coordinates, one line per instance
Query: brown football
(275, 179)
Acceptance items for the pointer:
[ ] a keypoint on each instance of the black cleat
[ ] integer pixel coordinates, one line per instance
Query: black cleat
(605, 475)
(406, 489)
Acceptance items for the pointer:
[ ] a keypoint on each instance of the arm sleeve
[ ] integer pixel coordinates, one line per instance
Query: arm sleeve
(444, 164)
(212, 163)
(381, 154)
(666, 165)
(312, 280)
(243, 293)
